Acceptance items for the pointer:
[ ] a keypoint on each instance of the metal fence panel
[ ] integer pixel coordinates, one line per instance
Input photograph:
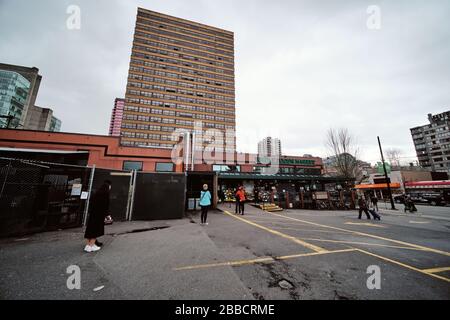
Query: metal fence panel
(120, 188)
(159, 196)
(37, 196)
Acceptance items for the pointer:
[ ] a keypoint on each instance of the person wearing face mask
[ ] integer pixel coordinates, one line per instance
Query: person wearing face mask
(99, 209)
(205, 202)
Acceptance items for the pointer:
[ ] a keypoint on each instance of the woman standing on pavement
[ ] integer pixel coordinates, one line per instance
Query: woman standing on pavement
(99, 209)
(205, 202)
(240, 195)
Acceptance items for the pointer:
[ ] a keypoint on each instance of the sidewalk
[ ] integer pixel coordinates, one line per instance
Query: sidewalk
(136, 262)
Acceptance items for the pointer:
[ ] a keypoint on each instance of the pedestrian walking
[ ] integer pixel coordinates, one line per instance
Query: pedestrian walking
(363, 207)
(374, 201)
(99, 210)
(409, 204)
(374, 212)
(241, 196)
(256, 195)
(205, 202)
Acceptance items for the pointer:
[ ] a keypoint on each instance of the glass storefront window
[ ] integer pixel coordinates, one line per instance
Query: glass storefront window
(164, 167)
(226, 168)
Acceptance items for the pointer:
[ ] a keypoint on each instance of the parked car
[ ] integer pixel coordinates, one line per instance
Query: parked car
(434, 199)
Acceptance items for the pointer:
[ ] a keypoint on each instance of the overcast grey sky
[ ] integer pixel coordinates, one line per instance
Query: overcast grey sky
(301, 66)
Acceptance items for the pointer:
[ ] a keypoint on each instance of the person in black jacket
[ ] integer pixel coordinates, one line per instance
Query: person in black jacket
(99, 209)
(374, 201)
(238, 201)
(363, 207)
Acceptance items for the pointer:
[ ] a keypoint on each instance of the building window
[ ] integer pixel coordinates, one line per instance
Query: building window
(164, 167)
(132, 165)
(226, 168)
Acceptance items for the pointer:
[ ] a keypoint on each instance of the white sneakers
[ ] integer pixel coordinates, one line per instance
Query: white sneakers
(93, 248)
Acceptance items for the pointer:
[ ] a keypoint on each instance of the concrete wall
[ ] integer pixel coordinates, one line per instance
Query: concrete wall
(38, 118)
(413, 176)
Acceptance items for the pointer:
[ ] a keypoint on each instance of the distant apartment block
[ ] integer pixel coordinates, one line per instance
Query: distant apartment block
(41, 119)
(19, 87)
(181, 72)
(269, 147)
(432, 142)
(116, 117)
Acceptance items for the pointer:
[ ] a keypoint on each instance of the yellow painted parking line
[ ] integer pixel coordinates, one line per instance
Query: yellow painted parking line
(283, 235)
(404, 265)
(368, 235)
(227, 263)
(368, 224)
(259, 260)
(292, 256)
(436, 270)
(361, 243)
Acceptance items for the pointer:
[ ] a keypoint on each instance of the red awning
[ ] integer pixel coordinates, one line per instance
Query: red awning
(428, 184)
(394, 185)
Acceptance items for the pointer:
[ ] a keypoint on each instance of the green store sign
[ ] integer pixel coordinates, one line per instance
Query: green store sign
(297, 161)
(380, 169)
(301, 162)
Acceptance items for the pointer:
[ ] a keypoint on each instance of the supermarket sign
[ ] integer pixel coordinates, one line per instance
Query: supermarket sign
(301, 162)
(380, 169)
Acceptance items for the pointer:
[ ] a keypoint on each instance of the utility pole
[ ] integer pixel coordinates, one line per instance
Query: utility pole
(386, 176)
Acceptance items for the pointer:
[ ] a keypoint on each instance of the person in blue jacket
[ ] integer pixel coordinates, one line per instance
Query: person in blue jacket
(205, 202)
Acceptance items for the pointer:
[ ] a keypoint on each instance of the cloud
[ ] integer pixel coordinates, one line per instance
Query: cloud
(301, 66)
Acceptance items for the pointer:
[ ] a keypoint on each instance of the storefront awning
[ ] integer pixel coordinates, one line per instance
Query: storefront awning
(257, 176)
(428, 184)
(394, 185)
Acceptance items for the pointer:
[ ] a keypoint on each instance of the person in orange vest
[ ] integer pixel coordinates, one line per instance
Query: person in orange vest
(240, 195)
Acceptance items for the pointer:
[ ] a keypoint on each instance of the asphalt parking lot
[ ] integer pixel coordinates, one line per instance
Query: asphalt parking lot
(294, 254)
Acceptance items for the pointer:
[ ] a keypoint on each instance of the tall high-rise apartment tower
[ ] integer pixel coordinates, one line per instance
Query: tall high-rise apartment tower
(181, 72)
(269, 147)
(116, 117)
(432, 142)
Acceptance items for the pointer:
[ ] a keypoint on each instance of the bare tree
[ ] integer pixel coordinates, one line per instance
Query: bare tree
(394, 155)
(342, 146)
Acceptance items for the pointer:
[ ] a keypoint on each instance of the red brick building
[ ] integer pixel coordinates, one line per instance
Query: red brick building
(86, 149)
(106, 152)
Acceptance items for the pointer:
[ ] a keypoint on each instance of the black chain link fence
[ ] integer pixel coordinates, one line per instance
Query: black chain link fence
(39, 196)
